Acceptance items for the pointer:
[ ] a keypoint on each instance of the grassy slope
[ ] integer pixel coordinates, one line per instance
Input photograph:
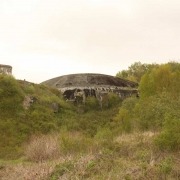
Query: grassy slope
(17, 124)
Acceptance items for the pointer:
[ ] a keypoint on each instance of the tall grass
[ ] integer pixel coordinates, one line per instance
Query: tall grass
(42, 147)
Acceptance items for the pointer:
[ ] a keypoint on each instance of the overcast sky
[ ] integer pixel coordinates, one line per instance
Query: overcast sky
(43, 39)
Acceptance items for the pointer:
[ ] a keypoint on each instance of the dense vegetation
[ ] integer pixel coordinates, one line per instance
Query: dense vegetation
(96, 143)
(18, 123)
(157, 109)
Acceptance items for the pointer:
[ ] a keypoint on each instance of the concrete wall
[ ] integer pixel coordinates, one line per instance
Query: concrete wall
(5, 69)
(72, 93)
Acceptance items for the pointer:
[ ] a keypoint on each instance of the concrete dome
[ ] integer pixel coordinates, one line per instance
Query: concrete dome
(88, 80)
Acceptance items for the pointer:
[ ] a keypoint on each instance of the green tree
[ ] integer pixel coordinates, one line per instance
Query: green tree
(125, 116)
(165, 78)
(135, 71)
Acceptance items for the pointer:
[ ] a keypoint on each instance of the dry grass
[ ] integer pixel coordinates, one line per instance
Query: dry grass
(26, 171)
(129, 156)
(42, 147)
(29, 170)
(135, 137)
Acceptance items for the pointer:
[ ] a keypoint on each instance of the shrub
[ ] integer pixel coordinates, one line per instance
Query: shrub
(92, 103)
(169, 138)
(125, 116)
(42, 147)
(12, 135)
(150, 113)
(61, 169)
(74, 143)
(165, 167)
(124, 120)
(29, 89)
(11, 95)
(165, 78)
(104, 134)
(113, 99)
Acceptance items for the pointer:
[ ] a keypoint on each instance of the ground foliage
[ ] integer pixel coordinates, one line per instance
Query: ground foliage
(136, 138)
(18, 124)
(157, 109)
(136, 71)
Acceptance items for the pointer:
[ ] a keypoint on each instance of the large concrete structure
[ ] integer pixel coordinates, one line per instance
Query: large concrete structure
(5, 69)
(74, 86)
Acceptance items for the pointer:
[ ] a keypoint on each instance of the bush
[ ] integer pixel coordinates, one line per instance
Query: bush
(42, 147)
(125, 117)
(12, 135)
(164, 78)
(11, 96)
(104, 134)
(61, 169)
(169, 138)
(150, 113)
(74, 143)
(113, 99)
(92, 103)
(165, 167)
(104, 140)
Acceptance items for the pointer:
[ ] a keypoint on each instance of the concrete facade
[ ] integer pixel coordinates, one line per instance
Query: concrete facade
(80, 86)
(5, 69)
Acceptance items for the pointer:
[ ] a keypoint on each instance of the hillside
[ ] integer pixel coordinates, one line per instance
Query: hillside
(45, 137)
(28, 109)
(25, 108)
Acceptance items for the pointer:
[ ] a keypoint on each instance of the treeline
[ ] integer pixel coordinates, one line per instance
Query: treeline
(158, 107)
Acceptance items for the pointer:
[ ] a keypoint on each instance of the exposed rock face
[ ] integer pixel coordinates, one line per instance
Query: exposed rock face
(28, 101)
(5, 69)
(76, 87)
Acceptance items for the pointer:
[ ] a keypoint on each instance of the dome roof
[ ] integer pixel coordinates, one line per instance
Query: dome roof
(88, 80)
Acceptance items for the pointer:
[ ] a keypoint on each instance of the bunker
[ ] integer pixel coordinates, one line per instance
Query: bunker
(80, 86)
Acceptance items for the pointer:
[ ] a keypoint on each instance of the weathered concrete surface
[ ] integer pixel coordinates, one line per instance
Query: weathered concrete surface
(88, 80)
(80, 86)
(5, 69)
